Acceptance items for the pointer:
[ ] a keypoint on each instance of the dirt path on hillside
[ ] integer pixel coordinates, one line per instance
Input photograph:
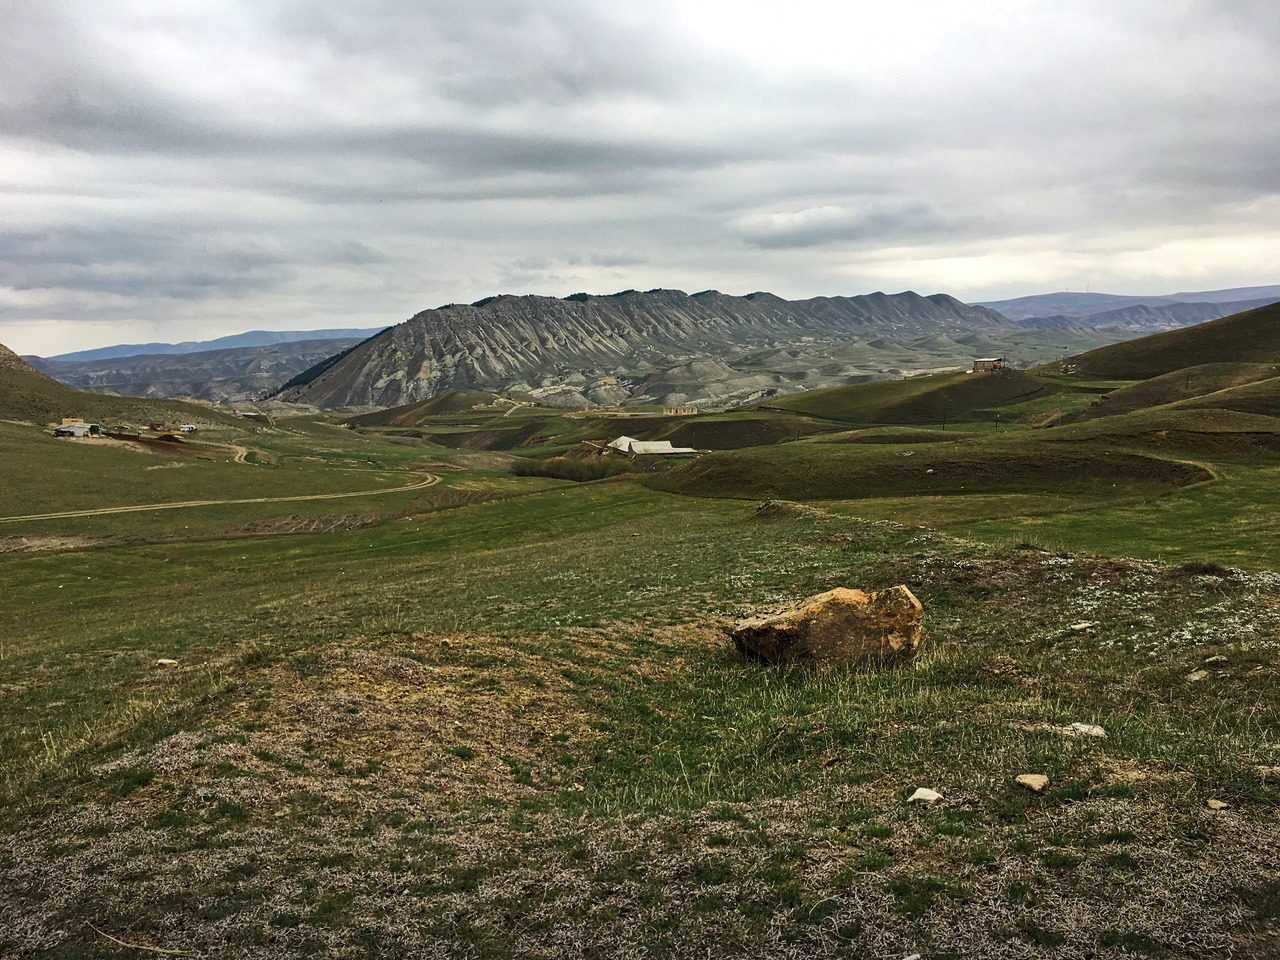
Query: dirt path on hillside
(431, 480)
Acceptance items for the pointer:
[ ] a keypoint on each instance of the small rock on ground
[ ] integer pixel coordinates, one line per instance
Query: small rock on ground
(1035, 782)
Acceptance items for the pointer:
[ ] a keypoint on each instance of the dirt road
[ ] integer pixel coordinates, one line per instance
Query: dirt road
(431, 480)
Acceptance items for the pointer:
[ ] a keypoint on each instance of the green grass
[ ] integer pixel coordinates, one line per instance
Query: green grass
(515, 727)
(826, 471)
(41, 474)
(1232, 521)
(936, 399)
(1249, 337)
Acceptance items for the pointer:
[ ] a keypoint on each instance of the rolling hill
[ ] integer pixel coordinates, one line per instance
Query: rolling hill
(1183, 384)
(941, 398)
(827, 471)
(1249, 337)
(415, 414)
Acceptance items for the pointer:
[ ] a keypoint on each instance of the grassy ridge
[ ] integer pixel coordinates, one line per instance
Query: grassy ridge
(823, 471)
(1184, 384)
(946, 397)
(1249, 337)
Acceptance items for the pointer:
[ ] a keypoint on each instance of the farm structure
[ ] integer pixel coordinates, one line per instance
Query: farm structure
(77, 428)
(988, 364)
(646, 447)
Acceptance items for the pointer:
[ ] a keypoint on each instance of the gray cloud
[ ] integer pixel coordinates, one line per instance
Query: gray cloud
(173, 170)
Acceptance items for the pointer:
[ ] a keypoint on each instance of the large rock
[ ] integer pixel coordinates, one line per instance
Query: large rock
(837, 628)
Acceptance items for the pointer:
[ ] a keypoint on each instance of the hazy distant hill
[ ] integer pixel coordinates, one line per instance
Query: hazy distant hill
(527, 342)
(218, 375)
(251, 338)
(1149, 319)
(1067, 304)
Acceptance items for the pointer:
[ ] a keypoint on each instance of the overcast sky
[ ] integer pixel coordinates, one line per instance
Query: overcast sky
(182, 170)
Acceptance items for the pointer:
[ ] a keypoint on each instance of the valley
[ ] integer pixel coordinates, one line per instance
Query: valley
(491, 710)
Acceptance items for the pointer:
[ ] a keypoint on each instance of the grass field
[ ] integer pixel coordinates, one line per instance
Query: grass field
(500, 717)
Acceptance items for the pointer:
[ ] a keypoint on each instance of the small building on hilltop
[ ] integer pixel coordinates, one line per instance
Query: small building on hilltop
(988, 364)
(647, 447)
(77, 428)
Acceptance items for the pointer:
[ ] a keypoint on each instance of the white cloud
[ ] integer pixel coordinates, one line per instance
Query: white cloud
(174, 170)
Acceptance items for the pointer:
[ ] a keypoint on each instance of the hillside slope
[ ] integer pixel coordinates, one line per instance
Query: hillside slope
(510, 342)
(936, 399)
(1249, 337)
(28, 395)
(1189, 382)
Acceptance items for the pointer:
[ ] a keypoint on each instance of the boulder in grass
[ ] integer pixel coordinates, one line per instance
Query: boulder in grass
(841, 627)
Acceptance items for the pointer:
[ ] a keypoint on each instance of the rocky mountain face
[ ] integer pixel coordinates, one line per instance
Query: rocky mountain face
(221, 376)
(589, 350)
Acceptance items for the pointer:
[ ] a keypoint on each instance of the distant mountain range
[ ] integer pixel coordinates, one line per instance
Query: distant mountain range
(221, 376)
(1091, 305)
(251, 338)
(1143, 318)
(659, 346)
(604, 347)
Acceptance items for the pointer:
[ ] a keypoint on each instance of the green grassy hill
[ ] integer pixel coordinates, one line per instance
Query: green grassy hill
(823, 471)
(414, 414)
(731, 432)
(944, 397)
(1262, 396)
(1249, 337)
(1186, 429)
(28, 395)
(1183, 384)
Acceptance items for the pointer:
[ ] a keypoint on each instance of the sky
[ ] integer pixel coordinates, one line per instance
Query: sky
(175, 170)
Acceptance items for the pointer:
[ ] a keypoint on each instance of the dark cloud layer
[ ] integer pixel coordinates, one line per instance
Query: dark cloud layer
(180, 169)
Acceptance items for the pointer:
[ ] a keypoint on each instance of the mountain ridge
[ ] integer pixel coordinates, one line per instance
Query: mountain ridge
(522, 342)
(250, 338)
(1086, 304)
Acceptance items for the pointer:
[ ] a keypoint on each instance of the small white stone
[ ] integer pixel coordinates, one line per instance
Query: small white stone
(1083, 625)
(924, 795)
(1086, 730)
(1216, 804)
(166, 662)
(1196, 675)
(1218, 659)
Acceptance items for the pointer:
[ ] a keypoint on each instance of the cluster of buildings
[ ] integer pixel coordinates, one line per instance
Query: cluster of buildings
(73, 427)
